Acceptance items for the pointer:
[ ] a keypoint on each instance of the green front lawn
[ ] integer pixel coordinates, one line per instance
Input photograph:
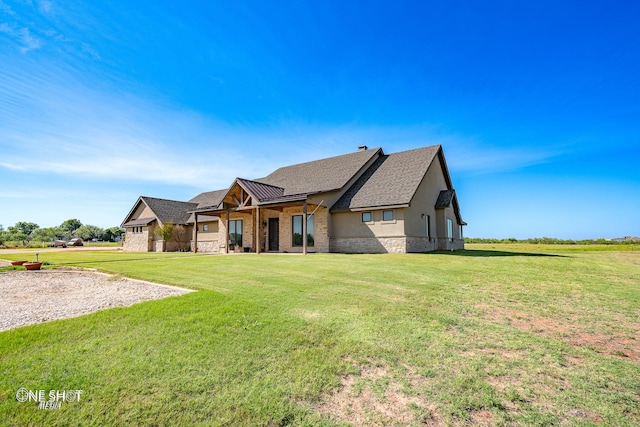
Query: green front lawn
(505, 335)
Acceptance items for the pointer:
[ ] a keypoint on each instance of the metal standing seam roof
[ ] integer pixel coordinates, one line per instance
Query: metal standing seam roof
(261, 191)
(392, 180)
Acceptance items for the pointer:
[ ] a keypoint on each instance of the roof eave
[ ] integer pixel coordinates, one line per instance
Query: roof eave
(369, 208)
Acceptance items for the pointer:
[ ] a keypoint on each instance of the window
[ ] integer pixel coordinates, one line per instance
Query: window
(428, 226)
(296, 232)
(205, 227)
(235, 232)
(366, 216)
(387, 215)
(449, 228)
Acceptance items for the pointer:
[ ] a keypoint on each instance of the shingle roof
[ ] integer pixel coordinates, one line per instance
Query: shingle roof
(138, 222)
(391, 181)
(328, 174)
(209, 198)
(444, 199)
(169, 210)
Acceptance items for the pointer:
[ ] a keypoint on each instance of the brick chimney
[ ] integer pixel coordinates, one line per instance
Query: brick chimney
(363, 148)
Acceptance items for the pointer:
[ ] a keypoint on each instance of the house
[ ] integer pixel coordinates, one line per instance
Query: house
(363, 202)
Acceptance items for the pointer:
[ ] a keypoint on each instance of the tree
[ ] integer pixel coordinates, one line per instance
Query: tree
(179, 234)
(88, 232)
(3, 235)
(21, 231)
(165, 232)
(24, 227)
(110, 234)
(70, 225)
(45, 234)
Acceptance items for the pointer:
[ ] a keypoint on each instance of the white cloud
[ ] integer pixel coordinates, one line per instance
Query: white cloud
(56, 124)
(44, 6)
(6, 9)
(29, 42)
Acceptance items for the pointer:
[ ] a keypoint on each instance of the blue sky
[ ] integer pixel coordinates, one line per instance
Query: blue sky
(535, 103)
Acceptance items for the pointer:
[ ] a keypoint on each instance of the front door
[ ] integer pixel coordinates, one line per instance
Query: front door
(274, 234)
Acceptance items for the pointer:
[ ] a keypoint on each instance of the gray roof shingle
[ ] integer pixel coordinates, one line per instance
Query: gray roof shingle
(444, 199)
(139, 222)
(328, 174)
(209, 198)
(169, 210)
(391, 181)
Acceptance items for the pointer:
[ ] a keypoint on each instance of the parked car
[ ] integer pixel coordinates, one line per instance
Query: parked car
(76, 242)
(58, 244)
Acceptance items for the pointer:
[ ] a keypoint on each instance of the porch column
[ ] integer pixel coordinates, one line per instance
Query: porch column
(226, 233)
(195, 235)
(258, 229)
(304, 228)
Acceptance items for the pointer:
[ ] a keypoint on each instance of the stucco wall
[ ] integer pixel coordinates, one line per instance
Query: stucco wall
(208, 241)
(423, 203)
(350, 234)
(349, 224)
(423, 208)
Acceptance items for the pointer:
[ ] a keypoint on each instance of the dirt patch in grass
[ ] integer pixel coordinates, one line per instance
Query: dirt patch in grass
(377, 398)
(481, 418)
(572, 332)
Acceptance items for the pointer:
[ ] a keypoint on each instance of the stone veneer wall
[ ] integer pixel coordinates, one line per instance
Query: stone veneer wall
(421, 244)
(136, 242)
(446, 244)
(374, 245)
(210, 246)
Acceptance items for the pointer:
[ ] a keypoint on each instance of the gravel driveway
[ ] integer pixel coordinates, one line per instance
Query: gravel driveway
(29, 297)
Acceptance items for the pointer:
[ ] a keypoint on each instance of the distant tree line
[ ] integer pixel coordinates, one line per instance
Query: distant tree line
(551, 241)
(27, 232)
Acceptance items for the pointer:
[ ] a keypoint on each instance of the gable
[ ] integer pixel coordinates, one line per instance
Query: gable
(163, 210)
(209, 198)
(392, 180)
(323, 175)
(171, 211)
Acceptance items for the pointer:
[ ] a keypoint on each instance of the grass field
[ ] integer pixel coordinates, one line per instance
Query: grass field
(494, 335)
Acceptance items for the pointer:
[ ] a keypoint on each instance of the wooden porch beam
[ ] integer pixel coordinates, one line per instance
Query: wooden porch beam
(195, 235)
(304, 228)
(226, 226)
(258, 230)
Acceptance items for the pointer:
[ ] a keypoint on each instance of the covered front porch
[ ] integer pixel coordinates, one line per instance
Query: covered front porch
(251, 218)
